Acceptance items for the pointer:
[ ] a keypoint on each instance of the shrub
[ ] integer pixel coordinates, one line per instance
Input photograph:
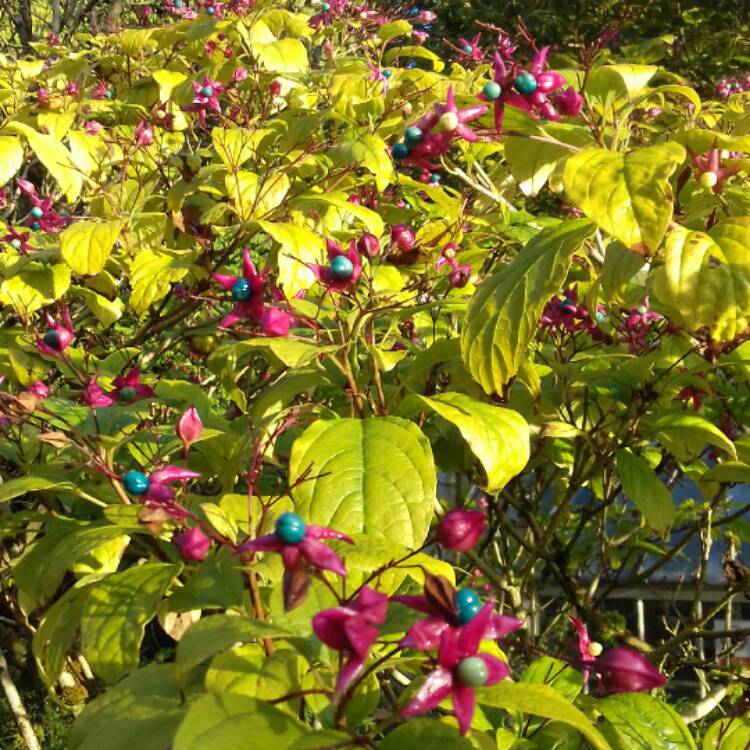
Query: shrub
(341, 380)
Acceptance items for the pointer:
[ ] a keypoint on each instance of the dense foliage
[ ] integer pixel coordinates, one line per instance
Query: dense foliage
(344, 383)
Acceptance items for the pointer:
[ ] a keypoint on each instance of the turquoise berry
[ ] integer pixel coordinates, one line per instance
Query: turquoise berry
(413, 135)
(242, 291)
(178, 4)
(468, 49)
(642, 309)
(290, 528)
(207, 91)
(136, 482)
(210, 10)
(36, 226)
(387, 73)
(400, 151)
(601, 316)
(37, 212)
(525, 84)
(17, 244)
(492, 90)
(128, 393)
(108, 94)
(473, 672)
(342, 268)
(434, 178)
(567, 305)
(52, 339)
(468, 605)
(325, 7)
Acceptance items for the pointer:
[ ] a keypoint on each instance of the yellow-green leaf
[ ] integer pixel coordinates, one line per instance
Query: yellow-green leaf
(86, 245)
(11, 158)
(371, 152)
(168, 80)
(282, 56)
(627, 195)
(34, 286)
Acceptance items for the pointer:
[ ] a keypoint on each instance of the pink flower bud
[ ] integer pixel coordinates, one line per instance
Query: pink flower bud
(193, 545)
(328, 50)
(275, 87)
(190, 427)
(368, 245)
(239, 74)
(460, 529)
(621, 670)
(275, 322)
(403, 238)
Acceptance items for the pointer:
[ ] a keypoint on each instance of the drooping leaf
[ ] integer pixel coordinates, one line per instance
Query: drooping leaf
(503, 315)
(224, 721)
(213, 634)
(628, 195)
(498, 437)
(86, 245)
(34, 286)
(532, 162)
(541, 700)
(641, 484)
(299, 246)
(373, 475)
(686, 435)
(705, 279)
(11, 158)
(142, 711)
(368, 150)
(636, 721)
(115, 614)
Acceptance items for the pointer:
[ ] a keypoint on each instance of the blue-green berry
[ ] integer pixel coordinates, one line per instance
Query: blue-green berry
(468, 49)
(35, 226)
(37, 212)
(207, 91)
(492, 90)
(468, 604)
(128, 393)
(472, 671)
(400, 151)
(387, 73)
(325, 7)
(434, 178)
(342, 268)
(136, 482)
(52, 340)
(413, 135)
(290, 528)
(242, 290)
(210, 10)
(601, 317)
(525, 84)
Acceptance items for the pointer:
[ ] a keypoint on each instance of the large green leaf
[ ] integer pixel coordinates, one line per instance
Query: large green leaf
(216, 584)
(646, 490)
(498, 437)
(34, 286)
(57, 632)
(636, 721)
(11, 158)
(367, 150)
(624, 80)
(532, 161)
(217, 722)
(425, 734)
(115, 614)
(705, 280)
(211, 635)
(372, 475)
(86, 245)
(152, 274)
(298, 247)
(728, 734)
(686, 435)
(39, 572)
(256, 197)
(55, 157)
(504, 313)
(282, 56)
(541, 700)
(21, 485)
(628, 195)
(341, 209)
(142, 711)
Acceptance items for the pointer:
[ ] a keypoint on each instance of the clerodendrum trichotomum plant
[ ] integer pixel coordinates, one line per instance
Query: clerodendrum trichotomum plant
(345, 386)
